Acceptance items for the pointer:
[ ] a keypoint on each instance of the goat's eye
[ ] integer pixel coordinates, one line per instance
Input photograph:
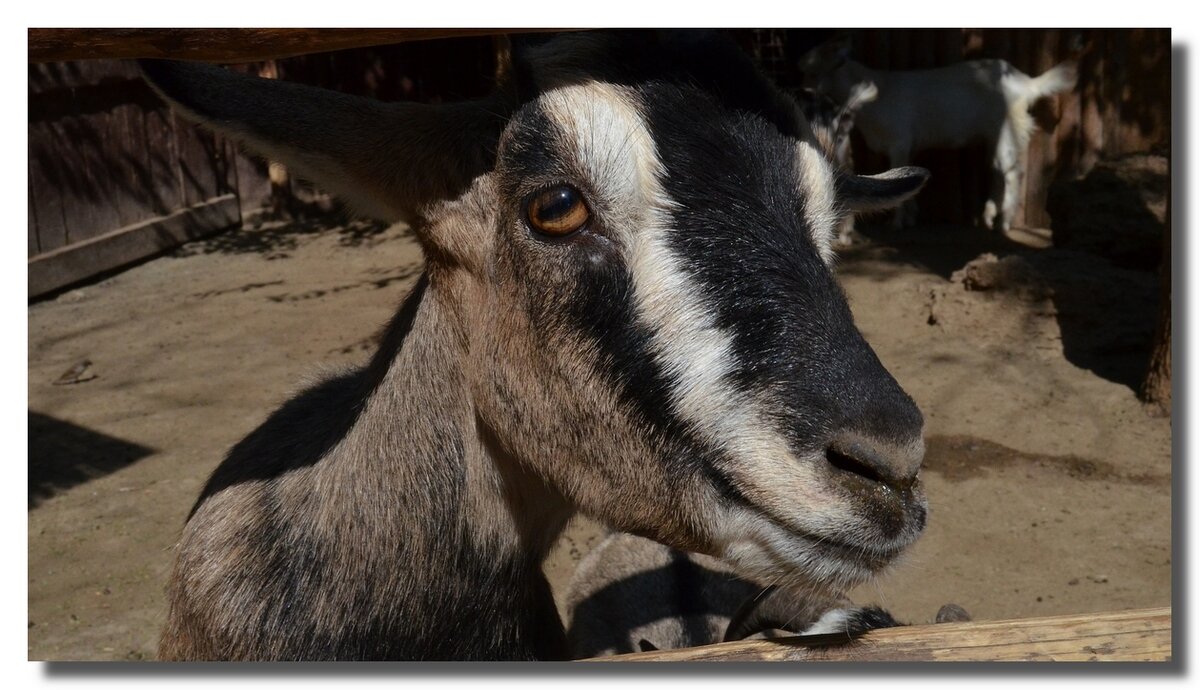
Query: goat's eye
(557, 211)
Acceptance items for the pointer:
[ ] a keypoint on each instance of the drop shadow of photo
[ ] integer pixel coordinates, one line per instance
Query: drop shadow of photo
(63, 455)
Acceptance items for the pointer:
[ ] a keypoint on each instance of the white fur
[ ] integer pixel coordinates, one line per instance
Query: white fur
(830, 622)
(611, 141)
(817, 178)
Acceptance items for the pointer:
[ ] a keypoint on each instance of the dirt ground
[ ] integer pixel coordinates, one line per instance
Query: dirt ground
(1049, 484)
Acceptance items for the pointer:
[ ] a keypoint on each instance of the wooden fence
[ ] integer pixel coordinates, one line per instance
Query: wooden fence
(115, 177)
(1137, 635)
(112, 172)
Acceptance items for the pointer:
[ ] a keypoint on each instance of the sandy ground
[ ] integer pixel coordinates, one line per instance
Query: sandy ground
(1049, 483)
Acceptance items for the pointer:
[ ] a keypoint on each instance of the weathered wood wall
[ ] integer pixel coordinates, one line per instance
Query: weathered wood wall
(104, 154)
(107, 158)
(115, 176)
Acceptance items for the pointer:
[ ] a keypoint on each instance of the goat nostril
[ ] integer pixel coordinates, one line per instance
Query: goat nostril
(893, 466)
(848, 463)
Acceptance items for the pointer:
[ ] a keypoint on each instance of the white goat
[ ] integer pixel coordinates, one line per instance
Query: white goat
(947, 107)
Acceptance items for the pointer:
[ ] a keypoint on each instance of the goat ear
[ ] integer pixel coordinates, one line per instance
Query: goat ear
(387, 160)
(840, 50)
(862, 193)
(860, 94)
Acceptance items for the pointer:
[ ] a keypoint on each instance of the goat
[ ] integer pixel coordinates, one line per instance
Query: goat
(831, 124)
(946, 107)
(627, 309)
(631, 594)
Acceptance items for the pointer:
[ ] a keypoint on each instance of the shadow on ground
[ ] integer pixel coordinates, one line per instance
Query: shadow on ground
(276, 238)
(1106, 313)
(63, 455)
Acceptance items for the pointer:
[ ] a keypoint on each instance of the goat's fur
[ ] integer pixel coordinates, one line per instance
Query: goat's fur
(831, 124)
(682, 366)
(630, 594)
(948, 107)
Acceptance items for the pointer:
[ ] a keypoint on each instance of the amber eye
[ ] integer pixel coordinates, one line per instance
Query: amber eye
(557, 211)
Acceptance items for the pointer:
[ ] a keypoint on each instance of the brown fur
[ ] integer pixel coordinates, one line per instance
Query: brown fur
(402, 510)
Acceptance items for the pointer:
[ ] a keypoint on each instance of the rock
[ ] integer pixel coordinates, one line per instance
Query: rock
(952, 613)
(1014, 273)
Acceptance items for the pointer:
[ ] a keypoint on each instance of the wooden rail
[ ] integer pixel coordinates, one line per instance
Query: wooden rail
(222, 45)
(1138, 635)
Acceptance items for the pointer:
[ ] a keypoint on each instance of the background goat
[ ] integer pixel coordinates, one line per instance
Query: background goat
(627, 309)
(831, 124)
(947, 107)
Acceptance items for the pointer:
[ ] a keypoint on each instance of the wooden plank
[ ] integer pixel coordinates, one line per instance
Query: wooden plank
(77, 148)
(45, 213)
(110, 157)
(53, 173)
(1139, 635)
(224, 45)
(89, 208)
(164, 189)
(71, 264)
(199, 167)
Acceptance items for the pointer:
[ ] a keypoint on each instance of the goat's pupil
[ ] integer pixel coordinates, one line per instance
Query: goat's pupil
(557, 211)
(559, 203)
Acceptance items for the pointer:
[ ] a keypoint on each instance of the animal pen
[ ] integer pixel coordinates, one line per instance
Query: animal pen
(116, 178)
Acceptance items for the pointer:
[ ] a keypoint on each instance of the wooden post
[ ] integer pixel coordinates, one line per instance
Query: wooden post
(1156, 387)
(1139, 635)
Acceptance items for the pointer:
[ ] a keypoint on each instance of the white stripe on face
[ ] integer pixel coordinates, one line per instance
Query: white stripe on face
(614, 146)
(817, 191)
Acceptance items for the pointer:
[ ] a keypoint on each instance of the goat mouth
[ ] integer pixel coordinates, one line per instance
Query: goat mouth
(852, 551)
(873, 558)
